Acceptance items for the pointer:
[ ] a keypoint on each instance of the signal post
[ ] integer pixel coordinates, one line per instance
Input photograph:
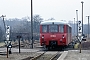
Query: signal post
(80, 33)
(7, 41)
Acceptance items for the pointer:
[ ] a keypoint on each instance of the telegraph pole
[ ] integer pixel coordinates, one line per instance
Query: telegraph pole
(4, 22)
(77, 22)
(74, 26)
(32, 22)
(5, 31)
(82, 16)
(88, 25)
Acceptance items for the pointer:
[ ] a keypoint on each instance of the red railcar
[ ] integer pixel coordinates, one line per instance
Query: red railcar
(54, 33)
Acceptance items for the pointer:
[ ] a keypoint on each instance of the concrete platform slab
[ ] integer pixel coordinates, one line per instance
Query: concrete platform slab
(63, 55)
(76, 55)
(17, 50)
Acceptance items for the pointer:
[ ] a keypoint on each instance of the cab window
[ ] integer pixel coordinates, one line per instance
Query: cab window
(53, 28)
(44, 28)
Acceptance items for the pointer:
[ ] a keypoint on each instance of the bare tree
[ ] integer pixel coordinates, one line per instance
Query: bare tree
(37, 20)
(51, 19)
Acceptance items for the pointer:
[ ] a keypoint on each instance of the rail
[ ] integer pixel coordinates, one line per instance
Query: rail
(45, 56)
(56, 56)
(38, 56)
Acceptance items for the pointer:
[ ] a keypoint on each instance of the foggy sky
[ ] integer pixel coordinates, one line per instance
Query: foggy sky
(58, 9)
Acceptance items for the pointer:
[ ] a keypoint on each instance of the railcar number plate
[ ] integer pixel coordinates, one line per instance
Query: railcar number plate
(52, 35)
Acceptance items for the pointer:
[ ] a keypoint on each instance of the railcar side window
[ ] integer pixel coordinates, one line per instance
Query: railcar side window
(69, 29)
(53, 28)
(61, 28)
(44, 28)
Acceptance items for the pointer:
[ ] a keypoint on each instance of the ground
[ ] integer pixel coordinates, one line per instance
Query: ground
(76, 55)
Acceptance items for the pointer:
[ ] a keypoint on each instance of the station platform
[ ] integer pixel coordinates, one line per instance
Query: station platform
(17, 50)
(75, 55)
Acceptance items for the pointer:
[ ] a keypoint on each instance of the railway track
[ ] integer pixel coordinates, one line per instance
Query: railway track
(24, 44)
(47, 56)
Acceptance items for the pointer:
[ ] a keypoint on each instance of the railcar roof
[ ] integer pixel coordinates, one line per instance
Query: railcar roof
(54, 22)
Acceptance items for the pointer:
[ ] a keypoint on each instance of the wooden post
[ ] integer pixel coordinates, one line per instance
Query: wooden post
(19, 41)
(19, 44)
(80, 47)
(7, 51)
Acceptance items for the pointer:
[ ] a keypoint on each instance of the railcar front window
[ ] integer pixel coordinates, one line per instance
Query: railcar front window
(61, 28)
(44, 28)
(53, 28)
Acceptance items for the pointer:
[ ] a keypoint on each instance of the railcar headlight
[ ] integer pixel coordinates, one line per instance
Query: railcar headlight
(42, 36)
(63, 37)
